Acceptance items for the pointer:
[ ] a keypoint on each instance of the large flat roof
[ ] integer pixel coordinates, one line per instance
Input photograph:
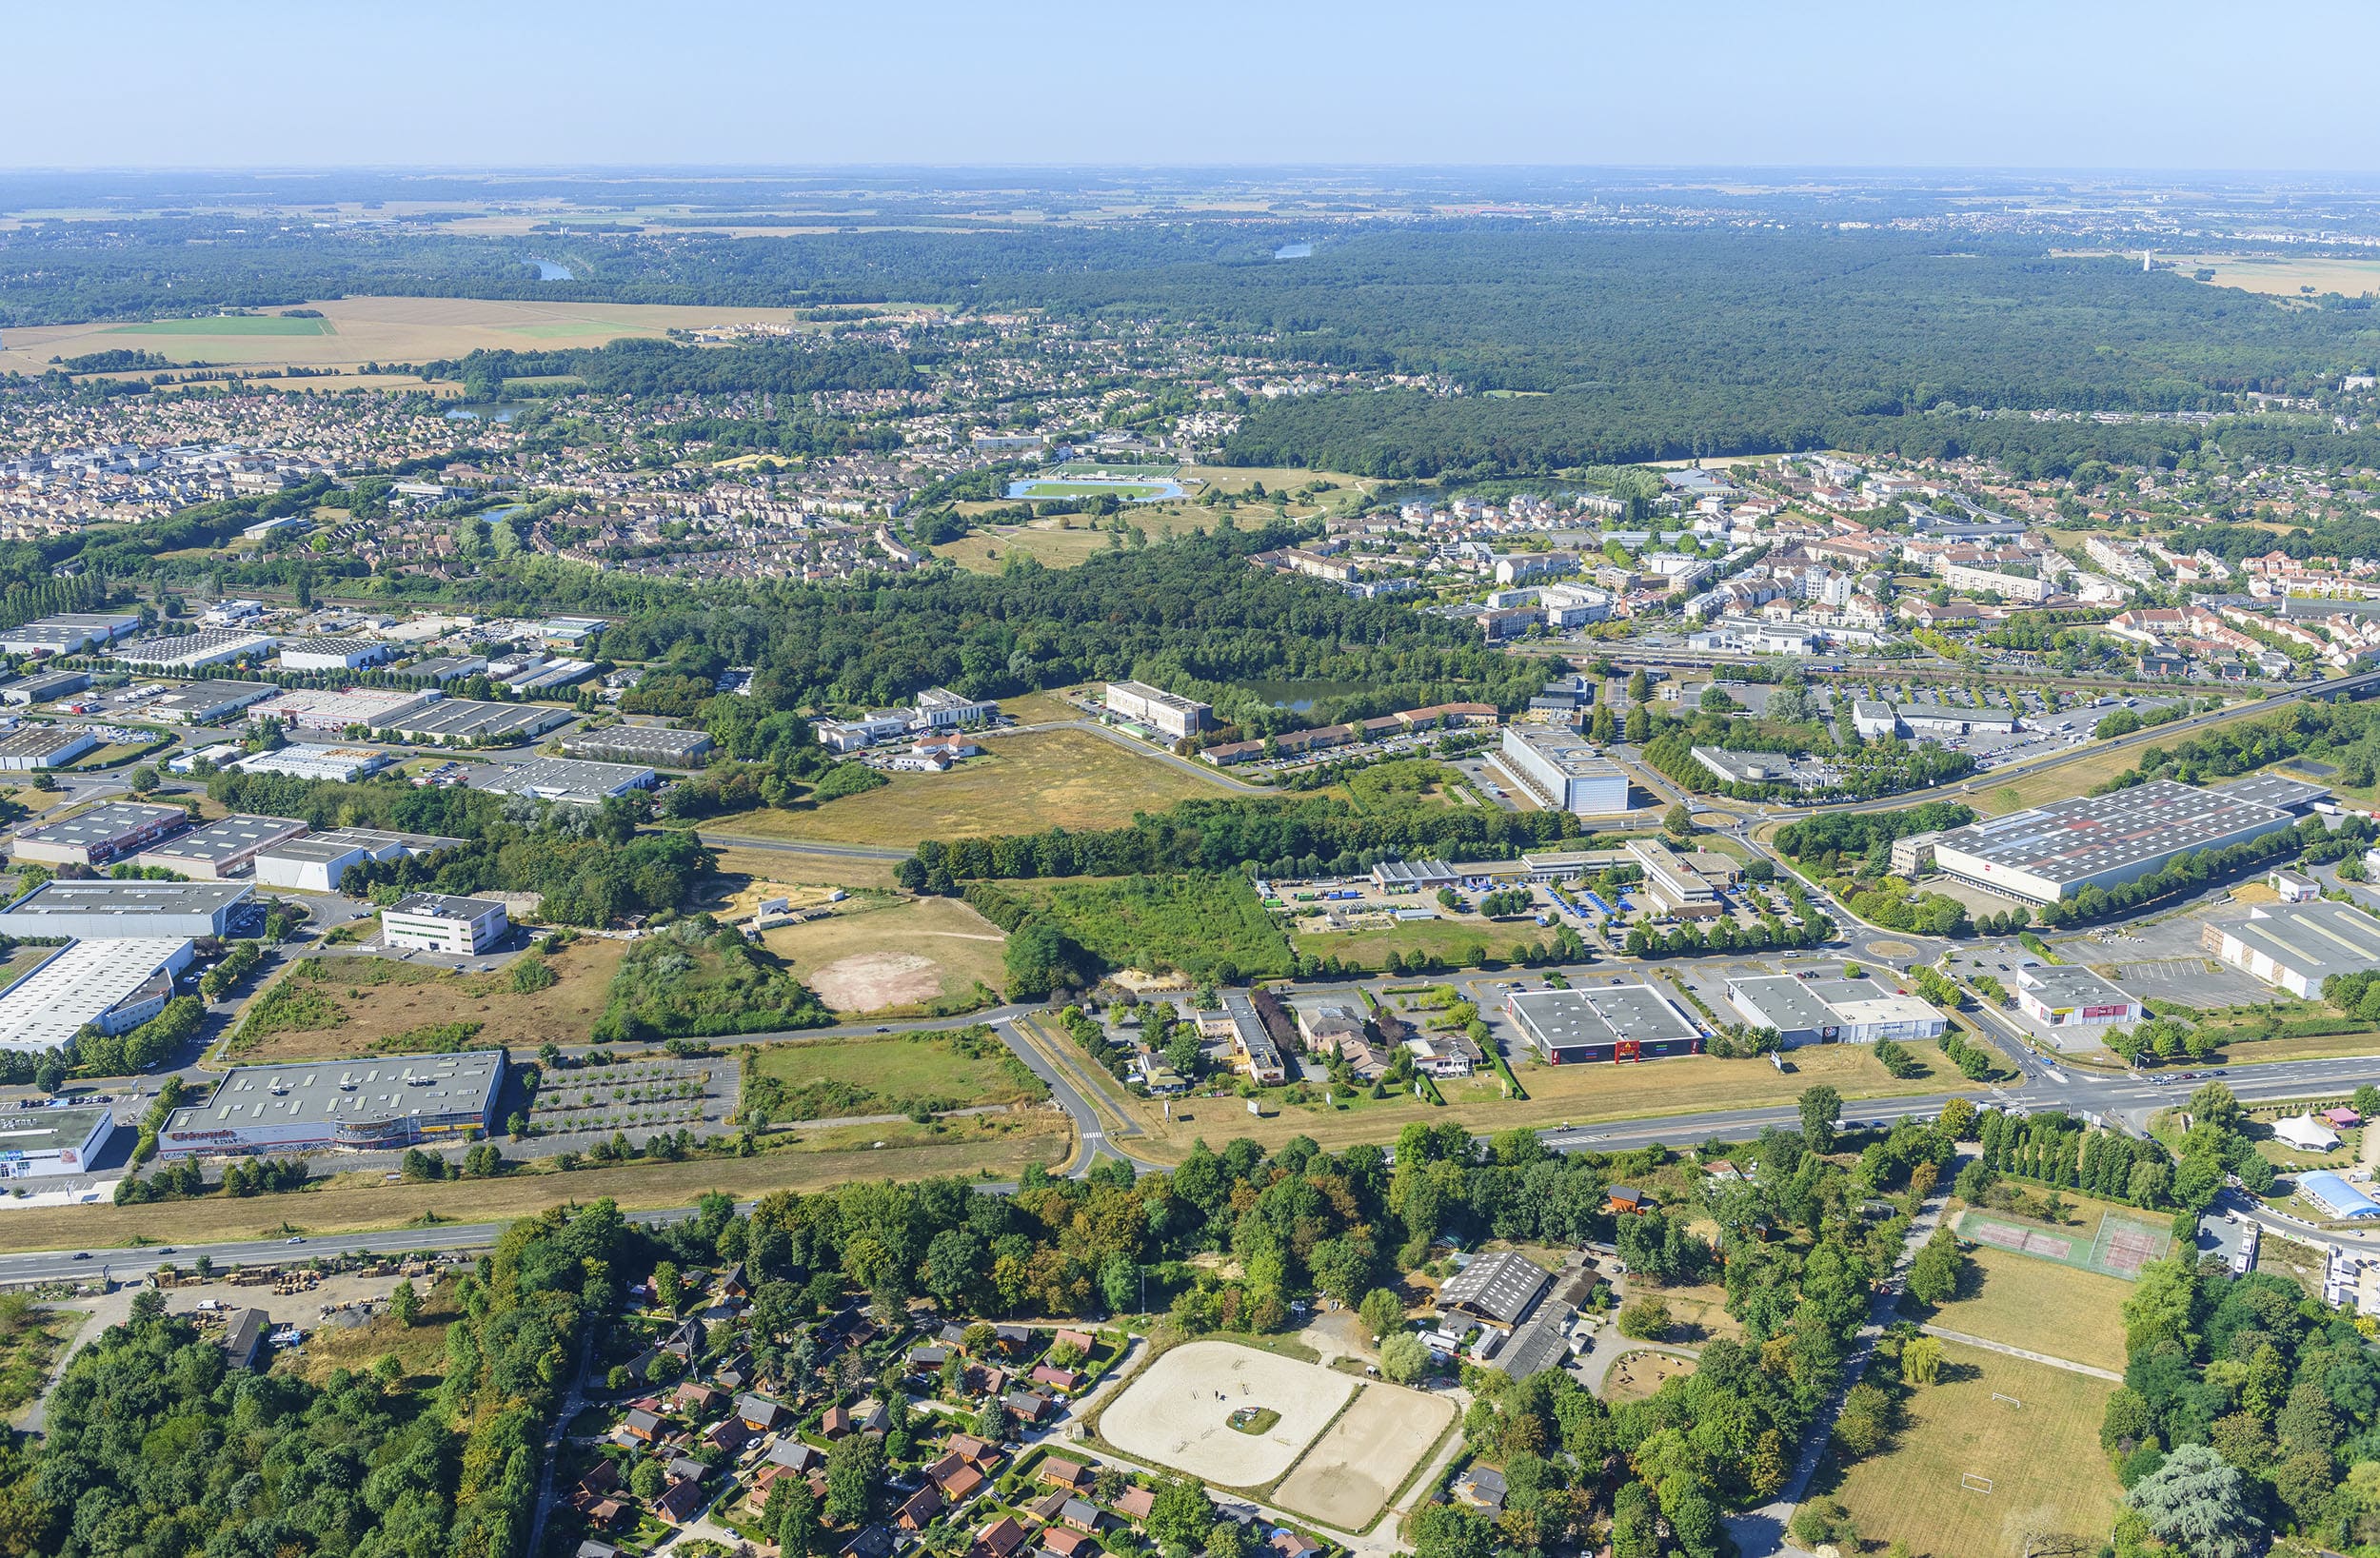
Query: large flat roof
(47, 1130)
(1601, 1015)
(102, 824)
(77, 985)
(1785, 1001)
(348, 1092)
(2061, 985)
(331, 845)
(566, 777)
(228, 838)
(130, 899)
(1569, 752)
(2276, 790)
(2069, 840)
(2313, 940)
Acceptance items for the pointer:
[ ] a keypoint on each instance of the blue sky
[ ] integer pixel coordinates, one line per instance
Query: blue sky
(2082, 84)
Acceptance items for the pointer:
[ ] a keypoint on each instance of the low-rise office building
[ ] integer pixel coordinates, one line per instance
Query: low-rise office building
(362, 1105)
(109, 909)
(1604, 1023)
(441, 923)
(939, 708)
(221, 849)
(2066, 995)
(98, 837)
(1674, 887)
(50, 1143)
(113, 984)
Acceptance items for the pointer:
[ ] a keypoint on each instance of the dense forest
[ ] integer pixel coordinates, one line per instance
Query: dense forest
(1618, 345)
(154, 1447)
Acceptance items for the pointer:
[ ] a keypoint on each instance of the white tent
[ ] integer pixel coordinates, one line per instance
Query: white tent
(2306, 1133)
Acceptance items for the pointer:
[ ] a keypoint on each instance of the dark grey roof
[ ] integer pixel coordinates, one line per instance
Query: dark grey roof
(1500, 1287)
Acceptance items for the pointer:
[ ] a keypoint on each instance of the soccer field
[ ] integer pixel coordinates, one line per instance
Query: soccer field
(1998, 1446)
(1129, 491)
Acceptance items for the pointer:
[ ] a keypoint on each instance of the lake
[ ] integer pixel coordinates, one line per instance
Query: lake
(548, 271)
(1299, 697)
(1294, 251)
(485, 410)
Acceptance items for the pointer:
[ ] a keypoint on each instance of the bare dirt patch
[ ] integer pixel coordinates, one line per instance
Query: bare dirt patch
(1348, 1476)
(876, 980)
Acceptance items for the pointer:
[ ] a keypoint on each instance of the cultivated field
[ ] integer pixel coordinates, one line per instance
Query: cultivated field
(876, 955)
(2285, 278)
(991, 1147)
(2040, 1462)
(1177, 1411)
(1024, 783)
(1353, 1471)
(2039, 1305)
(364, 1004)
(356, 330)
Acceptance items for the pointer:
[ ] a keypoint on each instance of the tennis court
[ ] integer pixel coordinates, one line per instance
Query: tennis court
(2120, 1248)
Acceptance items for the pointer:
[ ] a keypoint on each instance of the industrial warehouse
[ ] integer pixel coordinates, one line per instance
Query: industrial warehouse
(1604, 1023)
(2297, 946)
(102, 834)
(2052, 852)
(640, 744)
(315, 863)
(389, 1102)
(112, 985)
(83, 911)
(1831, 1011)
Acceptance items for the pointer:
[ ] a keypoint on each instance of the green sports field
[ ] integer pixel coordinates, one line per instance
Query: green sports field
(1163, 473)
(1130, 491)
(227, 324)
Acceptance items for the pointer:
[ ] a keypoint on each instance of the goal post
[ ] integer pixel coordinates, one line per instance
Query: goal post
(1974, 1482)
(2010, 1399)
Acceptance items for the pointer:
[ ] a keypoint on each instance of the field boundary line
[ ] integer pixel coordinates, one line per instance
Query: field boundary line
(1963, 1339)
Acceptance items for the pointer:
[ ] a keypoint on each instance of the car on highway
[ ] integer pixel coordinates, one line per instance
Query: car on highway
(82, 1255)
(294, 1238)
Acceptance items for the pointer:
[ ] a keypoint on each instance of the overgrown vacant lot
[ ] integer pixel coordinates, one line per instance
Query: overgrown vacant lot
(887, 1074)
(2042, 1457)
(1193, 922)
(1044, 778)
(877, 954)
(341, 1006)
(2039, 1305)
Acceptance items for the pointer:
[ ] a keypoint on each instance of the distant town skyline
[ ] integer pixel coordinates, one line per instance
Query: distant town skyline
(2016, 84)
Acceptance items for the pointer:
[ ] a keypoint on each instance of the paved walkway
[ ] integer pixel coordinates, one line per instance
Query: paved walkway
(1760, 1532)
(2067, 1364)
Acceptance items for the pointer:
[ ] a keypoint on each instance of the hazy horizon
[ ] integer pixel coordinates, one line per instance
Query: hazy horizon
(2029, 85)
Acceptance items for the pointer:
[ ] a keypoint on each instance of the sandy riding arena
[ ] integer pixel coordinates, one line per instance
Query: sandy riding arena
(1177, 1413)
(1352, 1472)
